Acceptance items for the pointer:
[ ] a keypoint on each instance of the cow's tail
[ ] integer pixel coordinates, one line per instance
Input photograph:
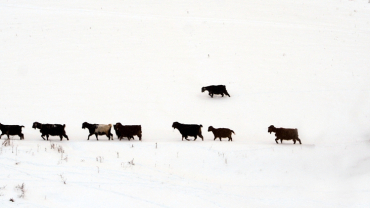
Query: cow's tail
(200, 131)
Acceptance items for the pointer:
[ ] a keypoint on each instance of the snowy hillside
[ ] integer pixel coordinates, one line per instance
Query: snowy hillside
(294, 64)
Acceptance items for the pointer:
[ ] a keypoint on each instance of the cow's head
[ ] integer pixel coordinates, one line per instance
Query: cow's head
(210, 128)
(271, 129)
(36, 125)
(84, 125)
(175, 124)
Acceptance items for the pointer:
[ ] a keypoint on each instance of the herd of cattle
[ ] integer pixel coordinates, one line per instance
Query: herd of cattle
(129, 131)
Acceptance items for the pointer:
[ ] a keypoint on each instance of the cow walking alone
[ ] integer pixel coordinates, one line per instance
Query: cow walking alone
(216, 90)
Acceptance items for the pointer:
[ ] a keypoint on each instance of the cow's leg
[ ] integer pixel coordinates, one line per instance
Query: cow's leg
(220, 139)
(201, 137)
(96, 135)
(65, 135)
(227, 93)
(215, 138)
(47, 137)
(230, 138)
(89, 136)
(186, 137)
(281, 140)
(107, 134)
(21, 136)
(276, 140)
(111, 135)
(294, 141)
(61, 137)
(299, 141)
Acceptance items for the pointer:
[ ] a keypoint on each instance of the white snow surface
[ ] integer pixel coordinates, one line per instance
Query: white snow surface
(293, 64)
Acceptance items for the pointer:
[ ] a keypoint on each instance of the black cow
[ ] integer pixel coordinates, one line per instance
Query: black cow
(98, 129)
(11, 130)
(128, 131)
(186, 130)
(284, 134)
(216, 89)
(51, 129)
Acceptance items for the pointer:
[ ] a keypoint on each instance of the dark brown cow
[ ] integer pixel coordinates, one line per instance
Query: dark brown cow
(284, 134)
(221, 133)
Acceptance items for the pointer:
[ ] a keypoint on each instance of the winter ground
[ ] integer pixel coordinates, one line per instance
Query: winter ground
(302, 64)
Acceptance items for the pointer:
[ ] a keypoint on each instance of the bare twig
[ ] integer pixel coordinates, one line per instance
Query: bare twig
(64, 180)
(131, 162)
(22, 190)
(99, 159)
(6, 142)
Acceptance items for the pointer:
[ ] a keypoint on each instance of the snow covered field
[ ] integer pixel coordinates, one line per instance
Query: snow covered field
(294, 64)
